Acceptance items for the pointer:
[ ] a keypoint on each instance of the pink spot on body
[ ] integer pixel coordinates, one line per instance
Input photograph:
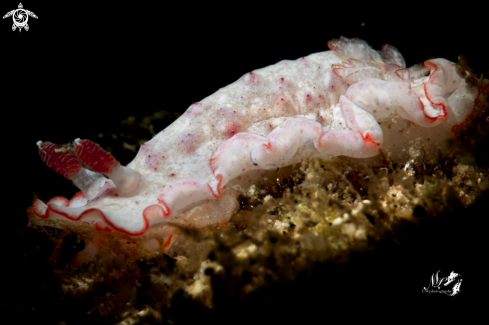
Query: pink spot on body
(251, 78)
(144, 146)
(283, 84)
(227, 112)
(152, 162)
(196, 109)
(231, 129)
(188, 141)
(304, 61)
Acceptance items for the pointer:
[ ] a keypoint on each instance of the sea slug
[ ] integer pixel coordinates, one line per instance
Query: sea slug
(349, 101)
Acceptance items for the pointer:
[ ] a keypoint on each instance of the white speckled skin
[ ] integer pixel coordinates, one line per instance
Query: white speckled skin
(252, 104)
(230, 133)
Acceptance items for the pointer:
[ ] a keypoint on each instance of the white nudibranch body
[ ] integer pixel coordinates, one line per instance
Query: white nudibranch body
(349, 101)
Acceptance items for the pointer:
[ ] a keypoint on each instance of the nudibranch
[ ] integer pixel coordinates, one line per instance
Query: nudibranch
(349, 101)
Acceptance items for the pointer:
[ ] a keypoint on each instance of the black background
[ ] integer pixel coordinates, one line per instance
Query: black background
(83, 67)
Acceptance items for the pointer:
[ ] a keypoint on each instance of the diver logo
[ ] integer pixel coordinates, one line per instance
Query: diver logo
(20, 17)
(449, 285)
